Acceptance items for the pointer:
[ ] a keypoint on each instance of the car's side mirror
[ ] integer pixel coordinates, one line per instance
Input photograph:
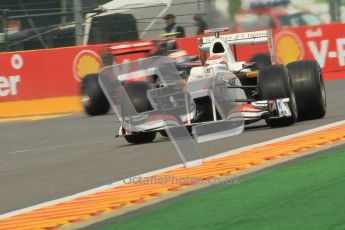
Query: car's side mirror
(249, 65)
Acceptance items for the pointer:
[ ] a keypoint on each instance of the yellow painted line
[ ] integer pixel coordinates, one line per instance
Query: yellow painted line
(115, 198)
(45, 106)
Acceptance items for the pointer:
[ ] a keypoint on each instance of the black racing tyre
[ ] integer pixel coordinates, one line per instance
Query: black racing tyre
(262, 60)
(93, 99)
(137, 93)
(163, 133)
(203, 110)
(309, 89)
(140, 138)
(274, 83)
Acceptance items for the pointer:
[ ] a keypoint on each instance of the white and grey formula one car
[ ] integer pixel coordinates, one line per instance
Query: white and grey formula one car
(279, 94)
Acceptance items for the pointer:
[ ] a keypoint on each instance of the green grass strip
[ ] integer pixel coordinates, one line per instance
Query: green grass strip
(308, 194)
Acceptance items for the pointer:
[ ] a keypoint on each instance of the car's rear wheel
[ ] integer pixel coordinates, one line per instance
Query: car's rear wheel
(309, 89)
(274, 83)
(262, 60)
(93, 99)
(137, 93)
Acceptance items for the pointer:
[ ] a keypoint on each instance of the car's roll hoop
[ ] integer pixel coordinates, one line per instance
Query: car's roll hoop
(238, 39)
(216, 31)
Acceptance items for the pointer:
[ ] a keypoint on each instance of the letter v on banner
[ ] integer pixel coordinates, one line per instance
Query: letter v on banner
(320, 55)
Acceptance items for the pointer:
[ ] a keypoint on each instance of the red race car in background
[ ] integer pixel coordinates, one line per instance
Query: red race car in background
(93, 99)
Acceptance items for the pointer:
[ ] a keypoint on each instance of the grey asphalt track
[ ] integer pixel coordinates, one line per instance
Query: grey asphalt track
(49, 159)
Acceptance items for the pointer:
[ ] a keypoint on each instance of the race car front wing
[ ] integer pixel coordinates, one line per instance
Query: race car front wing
(252, 112)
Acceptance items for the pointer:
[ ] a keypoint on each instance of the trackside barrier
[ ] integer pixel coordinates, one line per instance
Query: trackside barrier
(47, 81)
(44, 81)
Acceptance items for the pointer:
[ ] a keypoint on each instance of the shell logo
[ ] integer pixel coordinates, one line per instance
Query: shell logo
(289, 47)
(86, 62)
(17, 61)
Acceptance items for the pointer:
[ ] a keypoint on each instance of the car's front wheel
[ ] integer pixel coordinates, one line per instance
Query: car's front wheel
(93, 99)
(140, 138)
(274, 83)
(309, 89)
(137, 94)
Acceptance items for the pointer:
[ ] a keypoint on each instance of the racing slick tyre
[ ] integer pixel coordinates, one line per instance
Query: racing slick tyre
(262, 60)
(137, 93)
(274, 83)
(164, 133)
(309, 89)
(140, 138)
(93, 99)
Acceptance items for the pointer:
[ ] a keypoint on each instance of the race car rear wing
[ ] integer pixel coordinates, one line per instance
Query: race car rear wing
(237, 39)
(131, 47)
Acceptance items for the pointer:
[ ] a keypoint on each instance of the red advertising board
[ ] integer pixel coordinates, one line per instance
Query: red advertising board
(325, 43)
(45, 73)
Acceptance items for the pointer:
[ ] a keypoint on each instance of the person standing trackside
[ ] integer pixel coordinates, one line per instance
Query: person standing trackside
(200, 24)
(172, 27)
